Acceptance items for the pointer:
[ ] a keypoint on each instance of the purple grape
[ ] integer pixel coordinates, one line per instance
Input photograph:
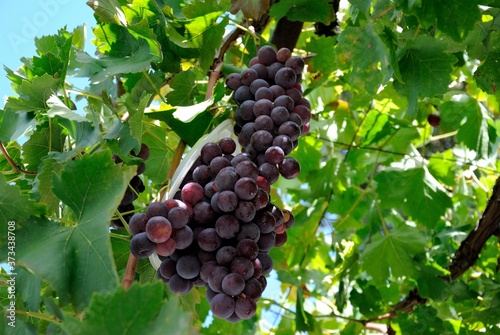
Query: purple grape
(227, 145)
(192, 193)
(157, 209)
(208, 240)
(233, 81)
(285, 77)
(179, 285)
(141, 246)
(266, 55)
(137, 223)
(178, 217)
(262, 107)
(245, 188)
(183, 237)
(226, 179)
(233, 284)
(242, 266)
(167, 268)
(222, 306)
(188, 266)
(245, 308)
(227, 226)
(225, 255)
(215, 278)
(158, 229)
(289, 168)
(248, 248)
(245, 211)
(227, 201)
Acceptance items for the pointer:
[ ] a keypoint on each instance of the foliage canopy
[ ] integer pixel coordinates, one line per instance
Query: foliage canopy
(385, 197)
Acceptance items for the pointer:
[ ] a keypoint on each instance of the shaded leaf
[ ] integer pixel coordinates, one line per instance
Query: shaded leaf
(425, 69)
(302, 10)
(138, 310)
(392, 254)
(76, 260)
(108, 11)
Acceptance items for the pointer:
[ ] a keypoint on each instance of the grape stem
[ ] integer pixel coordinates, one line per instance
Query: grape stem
(128, 278)
(12, 163)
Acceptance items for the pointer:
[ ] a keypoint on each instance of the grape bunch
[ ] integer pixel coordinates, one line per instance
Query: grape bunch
(272, 112)
(219, 227)
(135, 187)
(216, 232)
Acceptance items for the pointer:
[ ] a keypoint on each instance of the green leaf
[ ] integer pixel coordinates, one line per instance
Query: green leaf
(198, 8)
(14, 206)
(392, 254)
(425, 70)
(76, 260)
(455, 18)
(108, 11)
(44, 140)
(184, 89)
(136, 115)
(14, 124)
(212, 40)
(34, 94)
(124, 53)
(138, 310)
(471, 120)
(58, 108)
(323, 49)
(190, 132)
(414, 190)
(487, 74)
(251, 9)
(362, 50)
(304, 321)
(160, 155)
(43, 184)
(302, 10)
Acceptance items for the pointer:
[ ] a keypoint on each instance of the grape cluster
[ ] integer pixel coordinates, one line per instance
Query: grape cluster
(272, 112)
(216, 232)
(219, 227)
(135, 187)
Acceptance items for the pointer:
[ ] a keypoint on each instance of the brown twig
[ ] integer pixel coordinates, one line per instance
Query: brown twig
(12, 163)
(468, 252)
(128, 278)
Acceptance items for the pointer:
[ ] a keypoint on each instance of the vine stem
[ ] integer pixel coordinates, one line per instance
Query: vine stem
(12, 163)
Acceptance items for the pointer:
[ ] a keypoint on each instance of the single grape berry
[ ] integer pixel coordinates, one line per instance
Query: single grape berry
(434, 120)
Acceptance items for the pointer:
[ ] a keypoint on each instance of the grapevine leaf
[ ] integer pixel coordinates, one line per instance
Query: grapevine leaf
(487, 74)
(160, 153)
(58, 108)
(251, 9)
(455, 18)
(361, 49)
(304, 321)
(44, 140)
(323, 48)
(392, 254)
(144, 305)
(469, 118)
(76, 260)
(15, 206)
(43, 184)
(184, 89)
(302, 10)
(108, 11)
(34, 94)
(124, 53)
(14, 124)
(414, 190)
(200, 7)
(190, 131)
(425, 70)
